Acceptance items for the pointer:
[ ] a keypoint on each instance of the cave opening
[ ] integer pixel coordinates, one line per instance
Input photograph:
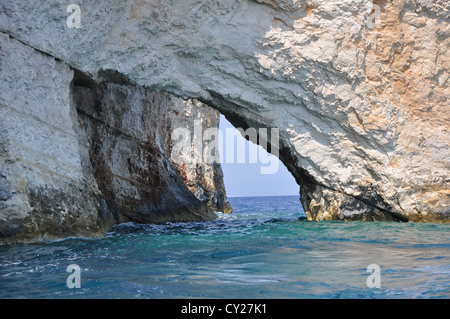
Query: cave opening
(150, 136)
(244, 174)
(251, 173)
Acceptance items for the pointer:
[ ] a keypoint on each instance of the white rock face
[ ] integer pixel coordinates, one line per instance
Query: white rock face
(44, 188)
(363, 111)
(75, 160)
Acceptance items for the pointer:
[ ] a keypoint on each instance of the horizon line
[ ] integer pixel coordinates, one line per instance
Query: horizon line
(262, 196)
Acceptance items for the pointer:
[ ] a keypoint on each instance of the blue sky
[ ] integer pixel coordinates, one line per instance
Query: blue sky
(246, 179)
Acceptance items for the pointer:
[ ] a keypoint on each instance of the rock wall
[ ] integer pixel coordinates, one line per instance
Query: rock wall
(204, 180)
(77, 158)
(361, 101)
(128, 131)
(45, 190)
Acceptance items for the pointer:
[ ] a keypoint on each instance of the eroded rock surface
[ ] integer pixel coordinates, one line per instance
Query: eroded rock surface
(128, 133)
(203, 178)
(44, 191)
(77, 157)
(362, 109)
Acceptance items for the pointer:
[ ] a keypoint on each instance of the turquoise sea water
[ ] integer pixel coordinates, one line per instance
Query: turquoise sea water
(261, 250)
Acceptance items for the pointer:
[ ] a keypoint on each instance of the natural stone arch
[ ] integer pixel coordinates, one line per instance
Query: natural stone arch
(319, 201)
(362, 112)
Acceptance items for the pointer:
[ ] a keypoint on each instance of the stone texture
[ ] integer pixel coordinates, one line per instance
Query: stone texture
(363, 112)
(204, 180)
(43, 189)
(77, 158)
(128, 132)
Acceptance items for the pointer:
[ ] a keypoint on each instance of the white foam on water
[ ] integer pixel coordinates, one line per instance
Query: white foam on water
(225, 216)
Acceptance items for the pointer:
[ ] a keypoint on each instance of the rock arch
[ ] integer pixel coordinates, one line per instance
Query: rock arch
(362, 111)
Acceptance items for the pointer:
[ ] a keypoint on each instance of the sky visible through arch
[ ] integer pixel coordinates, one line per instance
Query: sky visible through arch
(245, 179)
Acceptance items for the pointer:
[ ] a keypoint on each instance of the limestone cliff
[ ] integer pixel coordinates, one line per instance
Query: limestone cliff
(361, 99)
(127, 130)
(77, 157)
(204, 180)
